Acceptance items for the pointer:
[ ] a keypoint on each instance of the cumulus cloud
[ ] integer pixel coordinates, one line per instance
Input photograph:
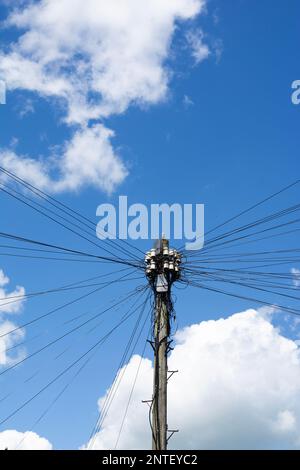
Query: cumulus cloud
(14, 440)
(88, 158)
(97, 61)
(115, 49)
(238, 387)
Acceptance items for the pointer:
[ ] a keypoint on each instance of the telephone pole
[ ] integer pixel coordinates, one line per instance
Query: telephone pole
(162, 270)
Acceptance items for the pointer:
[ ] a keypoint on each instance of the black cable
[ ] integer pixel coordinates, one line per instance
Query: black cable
(64, 371)
(123, 300)
(63, 208)
(36, 242)
(131, 392)
(251, 299)
(117, 380)
(58, 289)
(56, 309)
(285, 188)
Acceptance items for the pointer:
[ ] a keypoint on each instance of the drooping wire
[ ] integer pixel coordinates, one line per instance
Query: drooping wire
(68, 211)
(61, 393)
(59, 308)
(121, 370)
(65, 370)
(132, 389)
(59, 338)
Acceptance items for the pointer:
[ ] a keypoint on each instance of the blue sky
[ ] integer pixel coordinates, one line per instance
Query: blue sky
(225, 133)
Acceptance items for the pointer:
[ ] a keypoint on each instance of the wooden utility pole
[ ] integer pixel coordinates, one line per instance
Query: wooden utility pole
(162, 270)
(159, 407)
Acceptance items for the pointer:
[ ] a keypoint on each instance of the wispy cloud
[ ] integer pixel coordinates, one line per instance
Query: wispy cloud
(199, 49)
(25, 108)
(296, 274)
(187, 101)
(11, 302)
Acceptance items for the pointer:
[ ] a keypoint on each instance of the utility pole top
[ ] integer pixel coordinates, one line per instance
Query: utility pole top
(163, 261)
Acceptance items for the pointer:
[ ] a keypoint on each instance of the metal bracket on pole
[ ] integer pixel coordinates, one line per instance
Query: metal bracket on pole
(155, 346)
(172, 372)
(172, 432)
(152, 344)
(169, 347)
(148, 402)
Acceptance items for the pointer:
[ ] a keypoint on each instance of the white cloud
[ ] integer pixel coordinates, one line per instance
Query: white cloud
(136, 425)
(10, 302)
(116, 49)
(296, 274)
(200, 50)
(238, 387)
(10, 355)
(97, 61)
(88, 158)
(4, 280)
(187, 101)
(7, 356)
(14, 440)
(218, 48)
(26, 107)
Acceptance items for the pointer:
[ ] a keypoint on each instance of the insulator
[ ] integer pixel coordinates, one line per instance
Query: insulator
(166, 251)
(152, 265)
(171, 266)
(166, 265)
(153, 253)
(171, 252)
